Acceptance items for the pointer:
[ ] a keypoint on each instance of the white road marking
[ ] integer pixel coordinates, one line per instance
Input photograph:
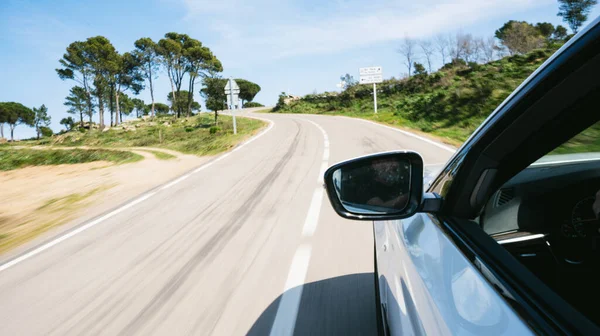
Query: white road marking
(429, 141)
(113, 213)
(312, 218)
(287, 312)
(70, 234)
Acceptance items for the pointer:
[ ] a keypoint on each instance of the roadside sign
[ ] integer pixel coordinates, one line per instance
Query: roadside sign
(231, 84)
(231, 91)
(235, 101)
(375, 70)
(371, 75)
(371, 79)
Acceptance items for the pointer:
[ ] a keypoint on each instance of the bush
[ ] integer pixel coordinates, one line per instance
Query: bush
(189, 129)
(214, 129)
(253, 104)
(46, 131)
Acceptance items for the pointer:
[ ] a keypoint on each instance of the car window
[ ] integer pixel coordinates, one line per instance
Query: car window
(547, 218)
(583, 146)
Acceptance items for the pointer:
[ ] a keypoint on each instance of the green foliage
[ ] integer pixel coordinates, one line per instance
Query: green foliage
(160, 108)
(78, 104)
(281, 102)
(11, 158)
(521, 37)
(181, 54)
(139, 107)
(248, 90)
(450, 103)
(253, 104)
(182, 101)
(126, 104)
(545, 29)
(15, 113)
(419, 69)
(41, 118)
(214, 95)
(146, 53)
(560, 33)
(46, 131)
(575, 12)
(348, 81)
(188, 135)
(68, 122)
(214, 129)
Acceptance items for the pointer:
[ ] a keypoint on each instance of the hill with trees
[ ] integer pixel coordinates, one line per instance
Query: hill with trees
(452, 101)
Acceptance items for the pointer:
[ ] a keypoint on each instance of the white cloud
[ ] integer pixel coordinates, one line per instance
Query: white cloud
(267, 29)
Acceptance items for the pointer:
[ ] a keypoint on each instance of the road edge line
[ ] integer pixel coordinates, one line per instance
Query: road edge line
(124, 206)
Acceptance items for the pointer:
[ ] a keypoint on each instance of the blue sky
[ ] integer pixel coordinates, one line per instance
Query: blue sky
(283, 45)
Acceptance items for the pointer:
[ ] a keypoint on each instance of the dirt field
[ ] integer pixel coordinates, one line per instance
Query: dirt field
(35, 201)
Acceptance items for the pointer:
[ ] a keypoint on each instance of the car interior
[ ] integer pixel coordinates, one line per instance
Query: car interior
(544, 216)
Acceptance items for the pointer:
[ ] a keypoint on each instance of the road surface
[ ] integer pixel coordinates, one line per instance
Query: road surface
(247, 244)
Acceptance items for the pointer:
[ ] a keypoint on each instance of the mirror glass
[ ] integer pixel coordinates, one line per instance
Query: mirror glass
(377, 185)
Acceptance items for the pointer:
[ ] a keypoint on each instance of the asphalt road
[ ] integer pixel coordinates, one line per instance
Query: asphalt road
(245, 245)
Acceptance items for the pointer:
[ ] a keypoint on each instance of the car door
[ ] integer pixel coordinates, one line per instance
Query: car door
(440, 273)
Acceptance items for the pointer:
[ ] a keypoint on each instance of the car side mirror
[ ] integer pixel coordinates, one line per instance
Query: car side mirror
(377, 187)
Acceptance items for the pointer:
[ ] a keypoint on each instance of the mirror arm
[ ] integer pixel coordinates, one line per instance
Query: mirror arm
(431, 203)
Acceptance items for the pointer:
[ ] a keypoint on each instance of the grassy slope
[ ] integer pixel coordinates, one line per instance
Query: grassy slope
(187, 135)
(450, 103)
(13, 158)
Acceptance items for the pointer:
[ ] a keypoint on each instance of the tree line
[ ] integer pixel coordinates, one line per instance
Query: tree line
(104, 77)
(514, 37)
(13, 114)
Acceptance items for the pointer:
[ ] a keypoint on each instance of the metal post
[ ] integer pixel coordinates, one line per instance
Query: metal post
(375, 97)
(232, 106)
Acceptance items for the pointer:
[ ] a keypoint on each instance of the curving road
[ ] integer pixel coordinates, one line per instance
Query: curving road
(247, 244)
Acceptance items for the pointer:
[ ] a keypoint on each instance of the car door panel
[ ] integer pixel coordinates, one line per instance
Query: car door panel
(432, 288)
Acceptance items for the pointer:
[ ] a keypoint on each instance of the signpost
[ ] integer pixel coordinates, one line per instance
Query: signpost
(232, 90)
(371, 75)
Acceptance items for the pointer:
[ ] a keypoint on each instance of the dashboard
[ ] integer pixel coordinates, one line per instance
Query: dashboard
(554, 200)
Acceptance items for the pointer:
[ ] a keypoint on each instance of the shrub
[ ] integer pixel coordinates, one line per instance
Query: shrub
(46, 131)
(253, 104)
(214, 129)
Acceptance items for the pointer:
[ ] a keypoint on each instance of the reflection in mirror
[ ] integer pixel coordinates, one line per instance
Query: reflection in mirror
(375, 186)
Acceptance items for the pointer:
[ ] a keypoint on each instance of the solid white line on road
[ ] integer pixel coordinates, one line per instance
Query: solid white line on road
(287, 312)
(94, 222)
(312, 218)
(74, 232)
(429, 141)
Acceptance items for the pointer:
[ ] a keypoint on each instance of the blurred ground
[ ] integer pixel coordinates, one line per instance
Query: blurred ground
(36, 200)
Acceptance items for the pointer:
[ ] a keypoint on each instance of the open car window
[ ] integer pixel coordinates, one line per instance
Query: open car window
(547, 218)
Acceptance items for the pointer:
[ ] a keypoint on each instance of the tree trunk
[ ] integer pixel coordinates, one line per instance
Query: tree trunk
(151, 90)
(190, 95)
(81, 118)
(118, 112)
(216, 116)
(37, 131)
(111, 101)
(12, 131)
(89, 103)
(1, 130)
(101, 112)
(174, 100)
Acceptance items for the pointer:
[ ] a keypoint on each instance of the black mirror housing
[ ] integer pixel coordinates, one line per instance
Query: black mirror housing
(380, 186)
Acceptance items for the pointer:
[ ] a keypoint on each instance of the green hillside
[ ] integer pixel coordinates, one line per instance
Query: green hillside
(449, 103)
